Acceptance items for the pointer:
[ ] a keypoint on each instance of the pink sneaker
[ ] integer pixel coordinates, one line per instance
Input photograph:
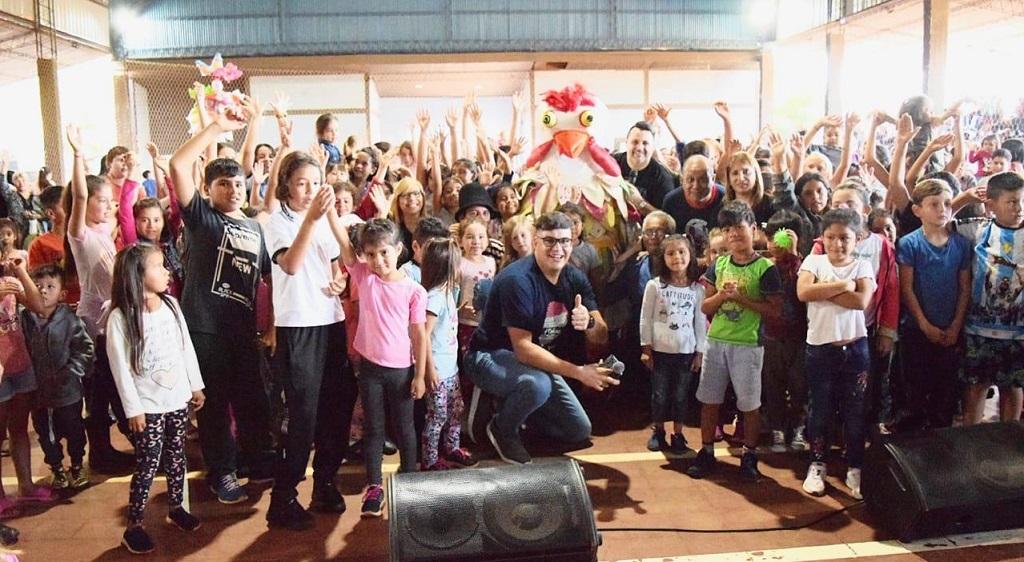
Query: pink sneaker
(41, 494)
(8, 508)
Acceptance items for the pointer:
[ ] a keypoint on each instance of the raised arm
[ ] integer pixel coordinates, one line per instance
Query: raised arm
(870, 158)
(829, 120)
(252, 135)
(897, 196)
(348, 253)
(79, 189)
(663, 112)
(423, 120)
(839, 174)
(183, 160)
(796, 153)
(452, 119)
(953, 166)
(520, 107)
(936, 144)
(722, 109)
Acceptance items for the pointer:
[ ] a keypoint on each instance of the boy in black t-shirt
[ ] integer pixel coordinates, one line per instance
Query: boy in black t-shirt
(226, 258)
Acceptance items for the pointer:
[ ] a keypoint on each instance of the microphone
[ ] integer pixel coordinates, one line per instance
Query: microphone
(612, 362)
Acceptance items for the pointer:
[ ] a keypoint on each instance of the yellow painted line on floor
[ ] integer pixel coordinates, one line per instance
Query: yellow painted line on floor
(851, 550)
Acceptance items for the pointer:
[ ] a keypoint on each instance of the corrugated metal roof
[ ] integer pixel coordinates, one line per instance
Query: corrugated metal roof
(191, 28)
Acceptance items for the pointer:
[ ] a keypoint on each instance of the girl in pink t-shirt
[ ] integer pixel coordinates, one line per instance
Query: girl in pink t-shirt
(392, 319)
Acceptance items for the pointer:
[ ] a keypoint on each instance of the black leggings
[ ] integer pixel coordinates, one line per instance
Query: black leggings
(164, 434)
(379, 386)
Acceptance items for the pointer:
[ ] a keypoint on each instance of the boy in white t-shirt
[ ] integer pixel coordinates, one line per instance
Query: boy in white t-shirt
(837, 289)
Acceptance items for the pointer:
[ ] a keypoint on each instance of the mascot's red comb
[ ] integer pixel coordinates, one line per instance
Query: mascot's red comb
(569, 98)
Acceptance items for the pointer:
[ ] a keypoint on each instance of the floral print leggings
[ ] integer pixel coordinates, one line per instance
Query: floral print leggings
(164, 436)
(444, 409)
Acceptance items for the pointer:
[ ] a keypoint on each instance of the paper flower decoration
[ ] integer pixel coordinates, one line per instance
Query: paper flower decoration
(217, 70)
(214, 98)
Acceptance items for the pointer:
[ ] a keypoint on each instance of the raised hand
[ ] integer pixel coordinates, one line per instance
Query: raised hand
(905, 129)
(796, 143)
(423, 119)
(662, 110)
(473, 110)
(323, 203)
(517, 146)
(650, 115)
(778, 145)
(280, 106)
(941, 141)
(259, 172)
(486, 175)
(74, 135)
(831, 121)
(852, 120)
(452, 117)
(319, 153)
(154, 153)
(722, 109)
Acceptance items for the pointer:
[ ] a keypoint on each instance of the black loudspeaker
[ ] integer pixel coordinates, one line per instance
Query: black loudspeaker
(949, 481)
(525, 513)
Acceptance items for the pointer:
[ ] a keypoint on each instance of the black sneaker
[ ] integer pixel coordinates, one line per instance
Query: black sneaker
(228, 490)
(137, 541)
(481, 410)
(703, 465)
(657, 441)
(509, 448)
(748, 466)
(326, 498)
(288, 514)
(373, 502)
(183, 519)
(678, 445)
(389, 447)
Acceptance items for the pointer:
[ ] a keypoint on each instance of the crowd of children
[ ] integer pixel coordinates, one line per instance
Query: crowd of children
(874, 284)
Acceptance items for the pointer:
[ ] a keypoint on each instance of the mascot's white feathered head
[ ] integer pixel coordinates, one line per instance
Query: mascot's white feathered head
(571, 117)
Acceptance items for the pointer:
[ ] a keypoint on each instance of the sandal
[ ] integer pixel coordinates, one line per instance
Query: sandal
(40, 494)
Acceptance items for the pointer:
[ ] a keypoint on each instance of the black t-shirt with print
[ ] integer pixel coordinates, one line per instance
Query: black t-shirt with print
(521, 297)
(224, 261)
(654, 182)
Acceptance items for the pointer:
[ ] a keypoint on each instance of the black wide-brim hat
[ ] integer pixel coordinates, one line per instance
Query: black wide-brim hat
(474, 195)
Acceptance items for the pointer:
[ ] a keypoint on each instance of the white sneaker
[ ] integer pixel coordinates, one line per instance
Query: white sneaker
(814, 484)
(853, 482)
(778, 441)
(798, 443)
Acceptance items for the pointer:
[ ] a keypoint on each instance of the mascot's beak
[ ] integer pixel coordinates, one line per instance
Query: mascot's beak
(571, 143)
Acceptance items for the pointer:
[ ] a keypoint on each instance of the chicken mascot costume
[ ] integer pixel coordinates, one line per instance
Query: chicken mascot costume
(571, 166)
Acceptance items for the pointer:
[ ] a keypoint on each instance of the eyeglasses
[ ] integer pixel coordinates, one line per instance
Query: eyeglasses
(654, 233)
(550, 242)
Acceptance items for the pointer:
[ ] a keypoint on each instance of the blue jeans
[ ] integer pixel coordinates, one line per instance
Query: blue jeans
(837, 378)
(530, 394)
(670, 383)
